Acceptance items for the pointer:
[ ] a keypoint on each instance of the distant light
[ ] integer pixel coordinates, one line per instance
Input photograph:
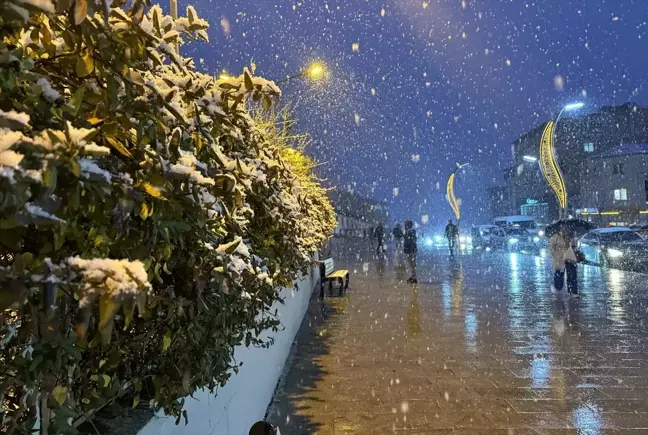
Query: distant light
(574, 106)
(536, 239)
(513, 241)
(530, 159)
(462, 239)
(438, 238)
(541, 233)
(488, 249)
(468, 239)
(428, 241)
(224, 76)
(615, 253)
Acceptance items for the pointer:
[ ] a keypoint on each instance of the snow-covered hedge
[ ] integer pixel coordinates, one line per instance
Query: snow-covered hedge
(146, 218)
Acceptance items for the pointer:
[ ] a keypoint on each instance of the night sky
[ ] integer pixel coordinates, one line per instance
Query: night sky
(416, 86)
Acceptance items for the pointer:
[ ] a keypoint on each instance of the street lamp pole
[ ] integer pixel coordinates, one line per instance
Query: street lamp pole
(549, 162)
(568, 107)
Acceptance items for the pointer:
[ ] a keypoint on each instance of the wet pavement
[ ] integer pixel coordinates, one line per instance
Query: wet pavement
(480, 345)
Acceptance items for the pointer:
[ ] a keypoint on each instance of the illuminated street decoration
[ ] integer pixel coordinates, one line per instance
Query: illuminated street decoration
(450, 195)
(452, 200)
(550, 168)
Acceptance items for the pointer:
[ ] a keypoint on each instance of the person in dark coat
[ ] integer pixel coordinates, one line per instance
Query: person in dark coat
(410, 249)
(398, 237)
(380, 235)
(451, 233)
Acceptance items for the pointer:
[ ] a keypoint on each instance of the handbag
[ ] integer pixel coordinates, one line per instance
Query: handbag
(570, 255)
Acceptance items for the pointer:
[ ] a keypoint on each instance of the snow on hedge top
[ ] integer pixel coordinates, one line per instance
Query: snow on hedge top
(119, 279)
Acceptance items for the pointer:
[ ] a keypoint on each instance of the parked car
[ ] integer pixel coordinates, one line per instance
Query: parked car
(481, 236)
(516, 239)
(615, 247)
(642, 230)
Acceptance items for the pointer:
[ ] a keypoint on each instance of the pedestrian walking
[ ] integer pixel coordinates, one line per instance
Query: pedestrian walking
(410, 249)
(398, 237)
(563, 260)
(380, 235)
(451, 233)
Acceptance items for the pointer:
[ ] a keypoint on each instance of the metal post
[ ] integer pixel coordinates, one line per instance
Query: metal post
(562, 211)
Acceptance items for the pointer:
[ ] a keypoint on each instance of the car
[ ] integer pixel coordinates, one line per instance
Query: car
(615, 247)
(514, 238)
(481, 236)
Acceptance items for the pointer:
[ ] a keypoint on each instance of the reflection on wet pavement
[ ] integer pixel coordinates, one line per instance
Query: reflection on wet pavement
(480, 345)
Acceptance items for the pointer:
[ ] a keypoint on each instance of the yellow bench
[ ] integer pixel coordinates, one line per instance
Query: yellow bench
(328, 273)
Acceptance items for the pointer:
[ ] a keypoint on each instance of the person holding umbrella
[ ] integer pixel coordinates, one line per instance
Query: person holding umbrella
(563, 259)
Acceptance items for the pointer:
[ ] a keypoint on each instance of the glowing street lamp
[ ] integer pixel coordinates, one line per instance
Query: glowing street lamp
(315, 71)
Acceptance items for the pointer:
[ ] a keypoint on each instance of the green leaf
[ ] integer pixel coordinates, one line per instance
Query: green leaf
(144, 211)
(166, 341)
(76, 100)
(59, 394)
(106, 380)
(80, 11)
(152, 190)
(75, 167)
(85, 64)
(116, 144)
(136, 401)
(249, 85)
(230, 247)
(49, 177)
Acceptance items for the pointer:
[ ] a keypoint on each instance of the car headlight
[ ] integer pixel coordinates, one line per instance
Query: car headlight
(428, 241)
(541, 233)
(438, 238)
(513, 240)
(469, 239)
(615, 253)
(462, 239)
(536, 239)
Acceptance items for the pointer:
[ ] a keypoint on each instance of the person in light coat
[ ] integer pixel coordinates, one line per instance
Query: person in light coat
(563, 258)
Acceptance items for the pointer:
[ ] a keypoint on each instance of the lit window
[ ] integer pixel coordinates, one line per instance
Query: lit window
(588, 147)
(620, 194)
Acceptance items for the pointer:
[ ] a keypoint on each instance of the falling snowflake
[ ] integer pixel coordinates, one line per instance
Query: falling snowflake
(357, 118)
(416, 158)
(225, 25)
(395, 191)
(425, 219)
(559, 83)
(355, 46)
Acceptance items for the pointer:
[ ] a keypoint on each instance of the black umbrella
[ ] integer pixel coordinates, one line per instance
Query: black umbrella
(575, 226)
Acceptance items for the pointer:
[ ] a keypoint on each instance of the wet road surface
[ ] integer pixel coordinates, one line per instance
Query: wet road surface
(480, 345)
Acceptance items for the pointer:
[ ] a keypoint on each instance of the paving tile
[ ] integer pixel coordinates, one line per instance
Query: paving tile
(481, 345)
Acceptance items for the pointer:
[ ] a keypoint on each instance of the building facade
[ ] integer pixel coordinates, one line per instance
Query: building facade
(578, 137)
(357, 216)
(615, 186)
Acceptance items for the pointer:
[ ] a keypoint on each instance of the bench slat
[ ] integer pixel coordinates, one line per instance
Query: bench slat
(338, 274)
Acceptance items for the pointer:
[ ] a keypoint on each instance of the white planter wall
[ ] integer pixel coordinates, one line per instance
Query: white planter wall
(244, 399)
